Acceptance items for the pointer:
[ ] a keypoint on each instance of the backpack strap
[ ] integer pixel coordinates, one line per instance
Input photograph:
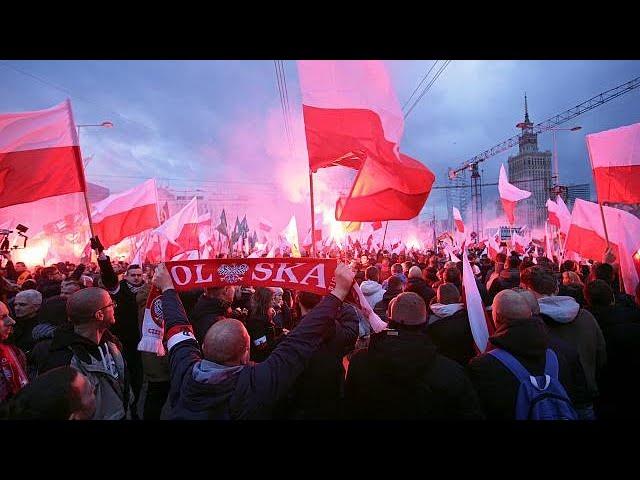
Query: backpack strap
(551, 364)
(512, 363)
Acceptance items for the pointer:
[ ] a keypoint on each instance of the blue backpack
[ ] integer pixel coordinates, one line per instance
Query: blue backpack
(539, 398)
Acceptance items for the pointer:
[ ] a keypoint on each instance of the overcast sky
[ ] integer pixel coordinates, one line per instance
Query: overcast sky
(189, 123)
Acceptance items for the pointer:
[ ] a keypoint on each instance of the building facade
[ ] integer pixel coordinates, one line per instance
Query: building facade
(531, 170)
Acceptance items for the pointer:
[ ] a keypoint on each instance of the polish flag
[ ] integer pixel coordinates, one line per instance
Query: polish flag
(519, 243)
(473, 302)
(510, 195)
(126, 213)
(494, 246)
(615, 160)
(352, 118)
(559, 214)
(264, 224)
(39, 155)
(458, 219)
(586, 237)
(180, 231)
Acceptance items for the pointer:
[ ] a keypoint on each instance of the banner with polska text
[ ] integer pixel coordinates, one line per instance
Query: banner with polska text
(308, 274)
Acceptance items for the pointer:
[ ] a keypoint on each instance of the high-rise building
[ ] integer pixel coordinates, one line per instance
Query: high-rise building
(458, 195)
(531, 170)
(581, 191)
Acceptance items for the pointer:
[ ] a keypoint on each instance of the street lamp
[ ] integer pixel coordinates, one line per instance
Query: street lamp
(106, 124)
(556, 187)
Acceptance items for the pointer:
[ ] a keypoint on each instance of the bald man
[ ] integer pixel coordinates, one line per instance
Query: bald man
(523, 335)
(224, 384)
(87, 345)
(402, 376)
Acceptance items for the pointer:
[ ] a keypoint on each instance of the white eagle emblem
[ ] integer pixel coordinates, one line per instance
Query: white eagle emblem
(156, 312)
(232, 273)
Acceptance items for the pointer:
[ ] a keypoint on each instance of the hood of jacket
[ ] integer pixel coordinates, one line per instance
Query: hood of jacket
(210, 386)
(370, 287)
(65, 337)
(526, 337)
(401, 351)
(562, 309)
(441, 310)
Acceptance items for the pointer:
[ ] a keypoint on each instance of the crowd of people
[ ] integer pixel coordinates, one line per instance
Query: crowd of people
(69, 339)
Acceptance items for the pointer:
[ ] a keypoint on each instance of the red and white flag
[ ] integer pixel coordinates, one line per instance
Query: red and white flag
(475, 308)
(586, 237)
(519, 243)
(494, 246)
(559, 214)
(510, 195)
(353, 118)
(615, 160)
(126, 213)
(39, 155)
(458, 219)
(180, 231)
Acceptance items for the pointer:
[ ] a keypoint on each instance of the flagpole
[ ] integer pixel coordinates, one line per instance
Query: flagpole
(385, 234)
(313, 219)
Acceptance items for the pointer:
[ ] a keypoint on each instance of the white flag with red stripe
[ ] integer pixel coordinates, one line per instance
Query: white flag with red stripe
(39, 155)
(586, 237)
(458, 219)
(126, 213)
(180, 231)
(559, 214)
(510, 195)
(615, 160)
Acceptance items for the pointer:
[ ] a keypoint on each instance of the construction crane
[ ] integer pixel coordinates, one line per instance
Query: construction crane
(472, 164)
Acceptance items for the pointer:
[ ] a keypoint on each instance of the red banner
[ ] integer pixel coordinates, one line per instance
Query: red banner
(308, 274)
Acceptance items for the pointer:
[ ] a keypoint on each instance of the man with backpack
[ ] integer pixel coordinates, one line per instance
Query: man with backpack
(521, 342)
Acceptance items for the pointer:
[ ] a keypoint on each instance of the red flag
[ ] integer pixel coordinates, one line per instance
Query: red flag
(353, 118)
(376, 226)
(615, 160)
(39, 155)
(458, 218)
(126, 213)
(510, 195)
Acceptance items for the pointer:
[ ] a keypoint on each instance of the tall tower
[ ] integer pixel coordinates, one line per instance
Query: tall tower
(531, 170)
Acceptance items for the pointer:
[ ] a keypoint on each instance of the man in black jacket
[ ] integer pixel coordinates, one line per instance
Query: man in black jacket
(402, 376)
(524, 336)
(225, 384)
(126, 328)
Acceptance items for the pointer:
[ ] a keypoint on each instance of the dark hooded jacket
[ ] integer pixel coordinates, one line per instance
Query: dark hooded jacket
(419, 286)
(201, 389)
(619, 393)
(508, 278)
(527, 340)
(401, 376)
(381, 306)
(452, 333)
(206, 312)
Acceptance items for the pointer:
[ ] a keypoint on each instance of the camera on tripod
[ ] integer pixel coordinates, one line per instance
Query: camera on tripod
(4, 244)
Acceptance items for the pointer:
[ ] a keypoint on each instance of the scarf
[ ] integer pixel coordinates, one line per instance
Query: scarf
(12, 369)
